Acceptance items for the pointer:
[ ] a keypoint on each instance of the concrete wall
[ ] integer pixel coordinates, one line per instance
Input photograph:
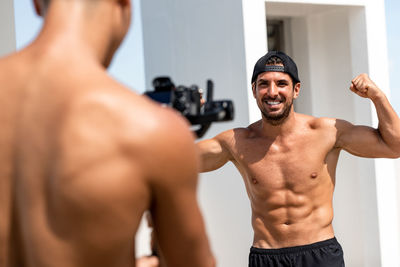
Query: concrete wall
(7, 29)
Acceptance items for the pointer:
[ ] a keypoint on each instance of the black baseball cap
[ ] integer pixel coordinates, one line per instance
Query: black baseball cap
(288, 67)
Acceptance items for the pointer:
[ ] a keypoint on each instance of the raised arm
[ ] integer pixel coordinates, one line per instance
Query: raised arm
(364, 141)
(213, 152)
(178, 224)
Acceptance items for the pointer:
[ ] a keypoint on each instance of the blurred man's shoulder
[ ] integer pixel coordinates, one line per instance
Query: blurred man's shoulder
(133, 115)
(122, 125)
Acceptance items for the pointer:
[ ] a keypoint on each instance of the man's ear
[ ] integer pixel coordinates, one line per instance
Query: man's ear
(253, 88)
(36, 4)
(296, 90)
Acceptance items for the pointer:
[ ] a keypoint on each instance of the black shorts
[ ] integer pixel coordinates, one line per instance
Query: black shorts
(326, 253)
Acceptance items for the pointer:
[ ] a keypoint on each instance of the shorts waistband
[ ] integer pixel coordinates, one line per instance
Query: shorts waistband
(295, 249)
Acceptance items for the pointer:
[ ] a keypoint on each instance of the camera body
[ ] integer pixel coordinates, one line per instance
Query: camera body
(188, 101)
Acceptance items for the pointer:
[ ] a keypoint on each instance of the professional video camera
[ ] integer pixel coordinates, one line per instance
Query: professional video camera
(187, 100)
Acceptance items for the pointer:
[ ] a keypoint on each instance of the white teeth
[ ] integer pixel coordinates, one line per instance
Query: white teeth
(273, 103)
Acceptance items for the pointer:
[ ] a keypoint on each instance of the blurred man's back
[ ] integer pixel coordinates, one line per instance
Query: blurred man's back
(82, 157)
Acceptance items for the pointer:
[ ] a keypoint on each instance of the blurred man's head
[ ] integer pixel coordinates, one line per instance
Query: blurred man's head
(101, 23)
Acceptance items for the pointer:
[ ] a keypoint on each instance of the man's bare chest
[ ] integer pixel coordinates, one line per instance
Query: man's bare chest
(295, 165)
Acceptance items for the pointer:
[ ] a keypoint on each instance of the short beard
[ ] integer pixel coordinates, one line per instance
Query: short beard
(280, 118)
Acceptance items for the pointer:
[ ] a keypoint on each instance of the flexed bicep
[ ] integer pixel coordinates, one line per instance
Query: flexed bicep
(366, 141)
(363, 141)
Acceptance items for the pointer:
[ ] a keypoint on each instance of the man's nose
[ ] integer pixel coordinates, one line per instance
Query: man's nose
(273, 91)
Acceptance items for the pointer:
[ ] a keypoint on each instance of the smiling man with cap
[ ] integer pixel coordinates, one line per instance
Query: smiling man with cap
(288, 162)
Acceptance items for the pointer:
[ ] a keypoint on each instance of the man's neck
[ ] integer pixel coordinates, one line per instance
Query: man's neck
(67, 27)
(283, 129)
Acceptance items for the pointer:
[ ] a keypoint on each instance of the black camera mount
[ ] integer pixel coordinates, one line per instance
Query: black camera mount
(188, 101)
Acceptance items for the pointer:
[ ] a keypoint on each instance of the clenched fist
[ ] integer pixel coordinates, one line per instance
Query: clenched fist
(363, 86)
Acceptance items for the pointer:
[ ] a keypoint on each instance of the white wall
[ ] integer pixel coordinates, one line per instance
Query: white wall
(384, 170)
(7, 43)
(195, 40)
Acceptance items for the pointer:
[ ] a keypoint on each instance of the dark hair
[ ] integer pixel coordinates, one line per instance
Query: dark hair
(274, 61)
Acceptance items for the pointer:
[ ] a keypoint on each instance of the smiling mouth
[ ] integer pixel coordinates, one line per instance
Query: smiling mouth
(273, 102)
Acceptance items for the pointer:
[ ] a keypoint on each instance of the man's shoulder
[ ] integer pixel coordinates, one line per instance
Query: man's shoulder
(234, 133)
(12, 68)
(240, 132)
(126, 126)
(133, 117)
(316, 123)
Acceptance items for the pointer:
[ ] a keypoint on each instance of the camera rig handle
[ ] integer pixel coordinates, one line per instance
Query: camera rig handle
(205, 124)
(210, 94)
(213, 111)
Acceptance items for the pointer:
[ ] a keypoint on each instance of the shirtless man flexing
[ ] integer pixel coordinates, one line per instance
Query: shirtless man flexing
(82, 157)
(288, 161)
